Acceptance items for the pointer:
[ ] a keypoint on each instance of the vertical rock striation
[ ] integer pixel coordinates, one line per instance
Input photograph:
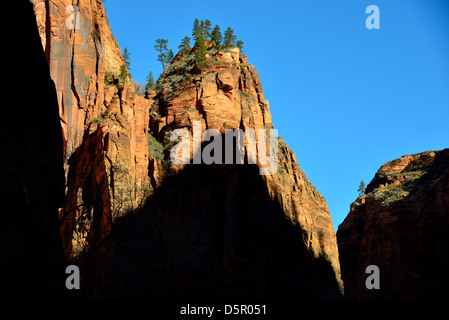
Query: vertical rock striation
(95, 110)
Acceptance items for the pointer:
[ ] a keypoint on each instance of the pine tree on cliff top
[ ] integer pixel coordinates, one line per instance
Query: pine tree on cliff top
(200, 52)
(150, 82)
(126, 56)
(185, 44)
(229, 38)
(196, 29)
(362, 188)
(126, 66)
(239, 45)
(161, 47)
(207, 28)
(216, 36)
(170, 57)
(202, 28)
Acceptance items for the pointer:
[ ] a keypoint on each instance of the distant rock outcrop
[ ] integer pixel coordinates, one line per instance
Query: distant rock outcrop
(400, 224)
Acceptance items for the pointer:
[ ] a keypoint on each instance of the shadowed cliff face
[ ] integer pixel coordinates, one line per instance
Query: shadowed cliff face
(401, 225)
(228, 95)
(218, 231)
(213, 232)
(31, 165)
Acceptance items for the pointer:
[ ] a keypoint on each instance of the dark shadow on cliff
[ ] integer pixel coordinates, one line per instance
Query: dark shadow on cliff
(213, 232)
(408, 240)
(31, 165)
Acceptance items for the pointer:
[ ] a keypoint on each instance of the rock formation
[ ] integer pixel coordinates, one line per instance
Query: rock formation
(96, 109)
(401, 225)
(216, 231)
(203, 231)
(229, 95)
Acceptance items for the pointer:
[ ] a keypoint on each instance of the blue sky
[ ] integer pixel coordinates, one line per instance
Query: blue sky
(344, 98)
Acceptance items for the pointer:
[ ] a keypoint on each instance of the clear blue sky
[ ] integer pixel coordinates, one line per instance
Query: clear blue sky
(344, 98)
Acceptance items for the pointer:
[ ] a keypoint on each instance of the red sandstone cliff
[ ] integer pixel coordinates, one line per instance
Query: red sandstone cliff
(224, 230)
(246, 235)
(204, 231)
(401, 225)
(104, 122)
(228, 95)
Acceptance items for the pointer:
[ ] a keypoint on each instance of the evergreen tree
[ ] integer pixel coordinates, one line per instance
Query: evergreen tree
(239, 45)
(229, 38)
(126, 56)
(123, 74)
(207, 29)
(126, 66)
(150, 82)
(161, 47)
(170, 57)
(203, 29)
(185, 44)
(196, 29)
(216, 35)
(200, 52)
(362, 188)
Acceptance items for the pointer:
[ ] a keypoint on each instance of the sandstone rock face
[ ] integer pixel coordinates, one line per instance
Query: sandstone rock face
(242, 230)
(31, 166)
(79, 53)
(401, 225)
(96, 110)
(229, 95)
(224, 230)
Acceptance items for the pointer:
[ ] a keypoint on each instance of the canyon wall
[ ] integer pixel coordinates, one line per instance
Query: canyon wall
(86, 171)
(138, 224)
(102, 118)
(220, 230)
(400, 224)
(228, 95)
